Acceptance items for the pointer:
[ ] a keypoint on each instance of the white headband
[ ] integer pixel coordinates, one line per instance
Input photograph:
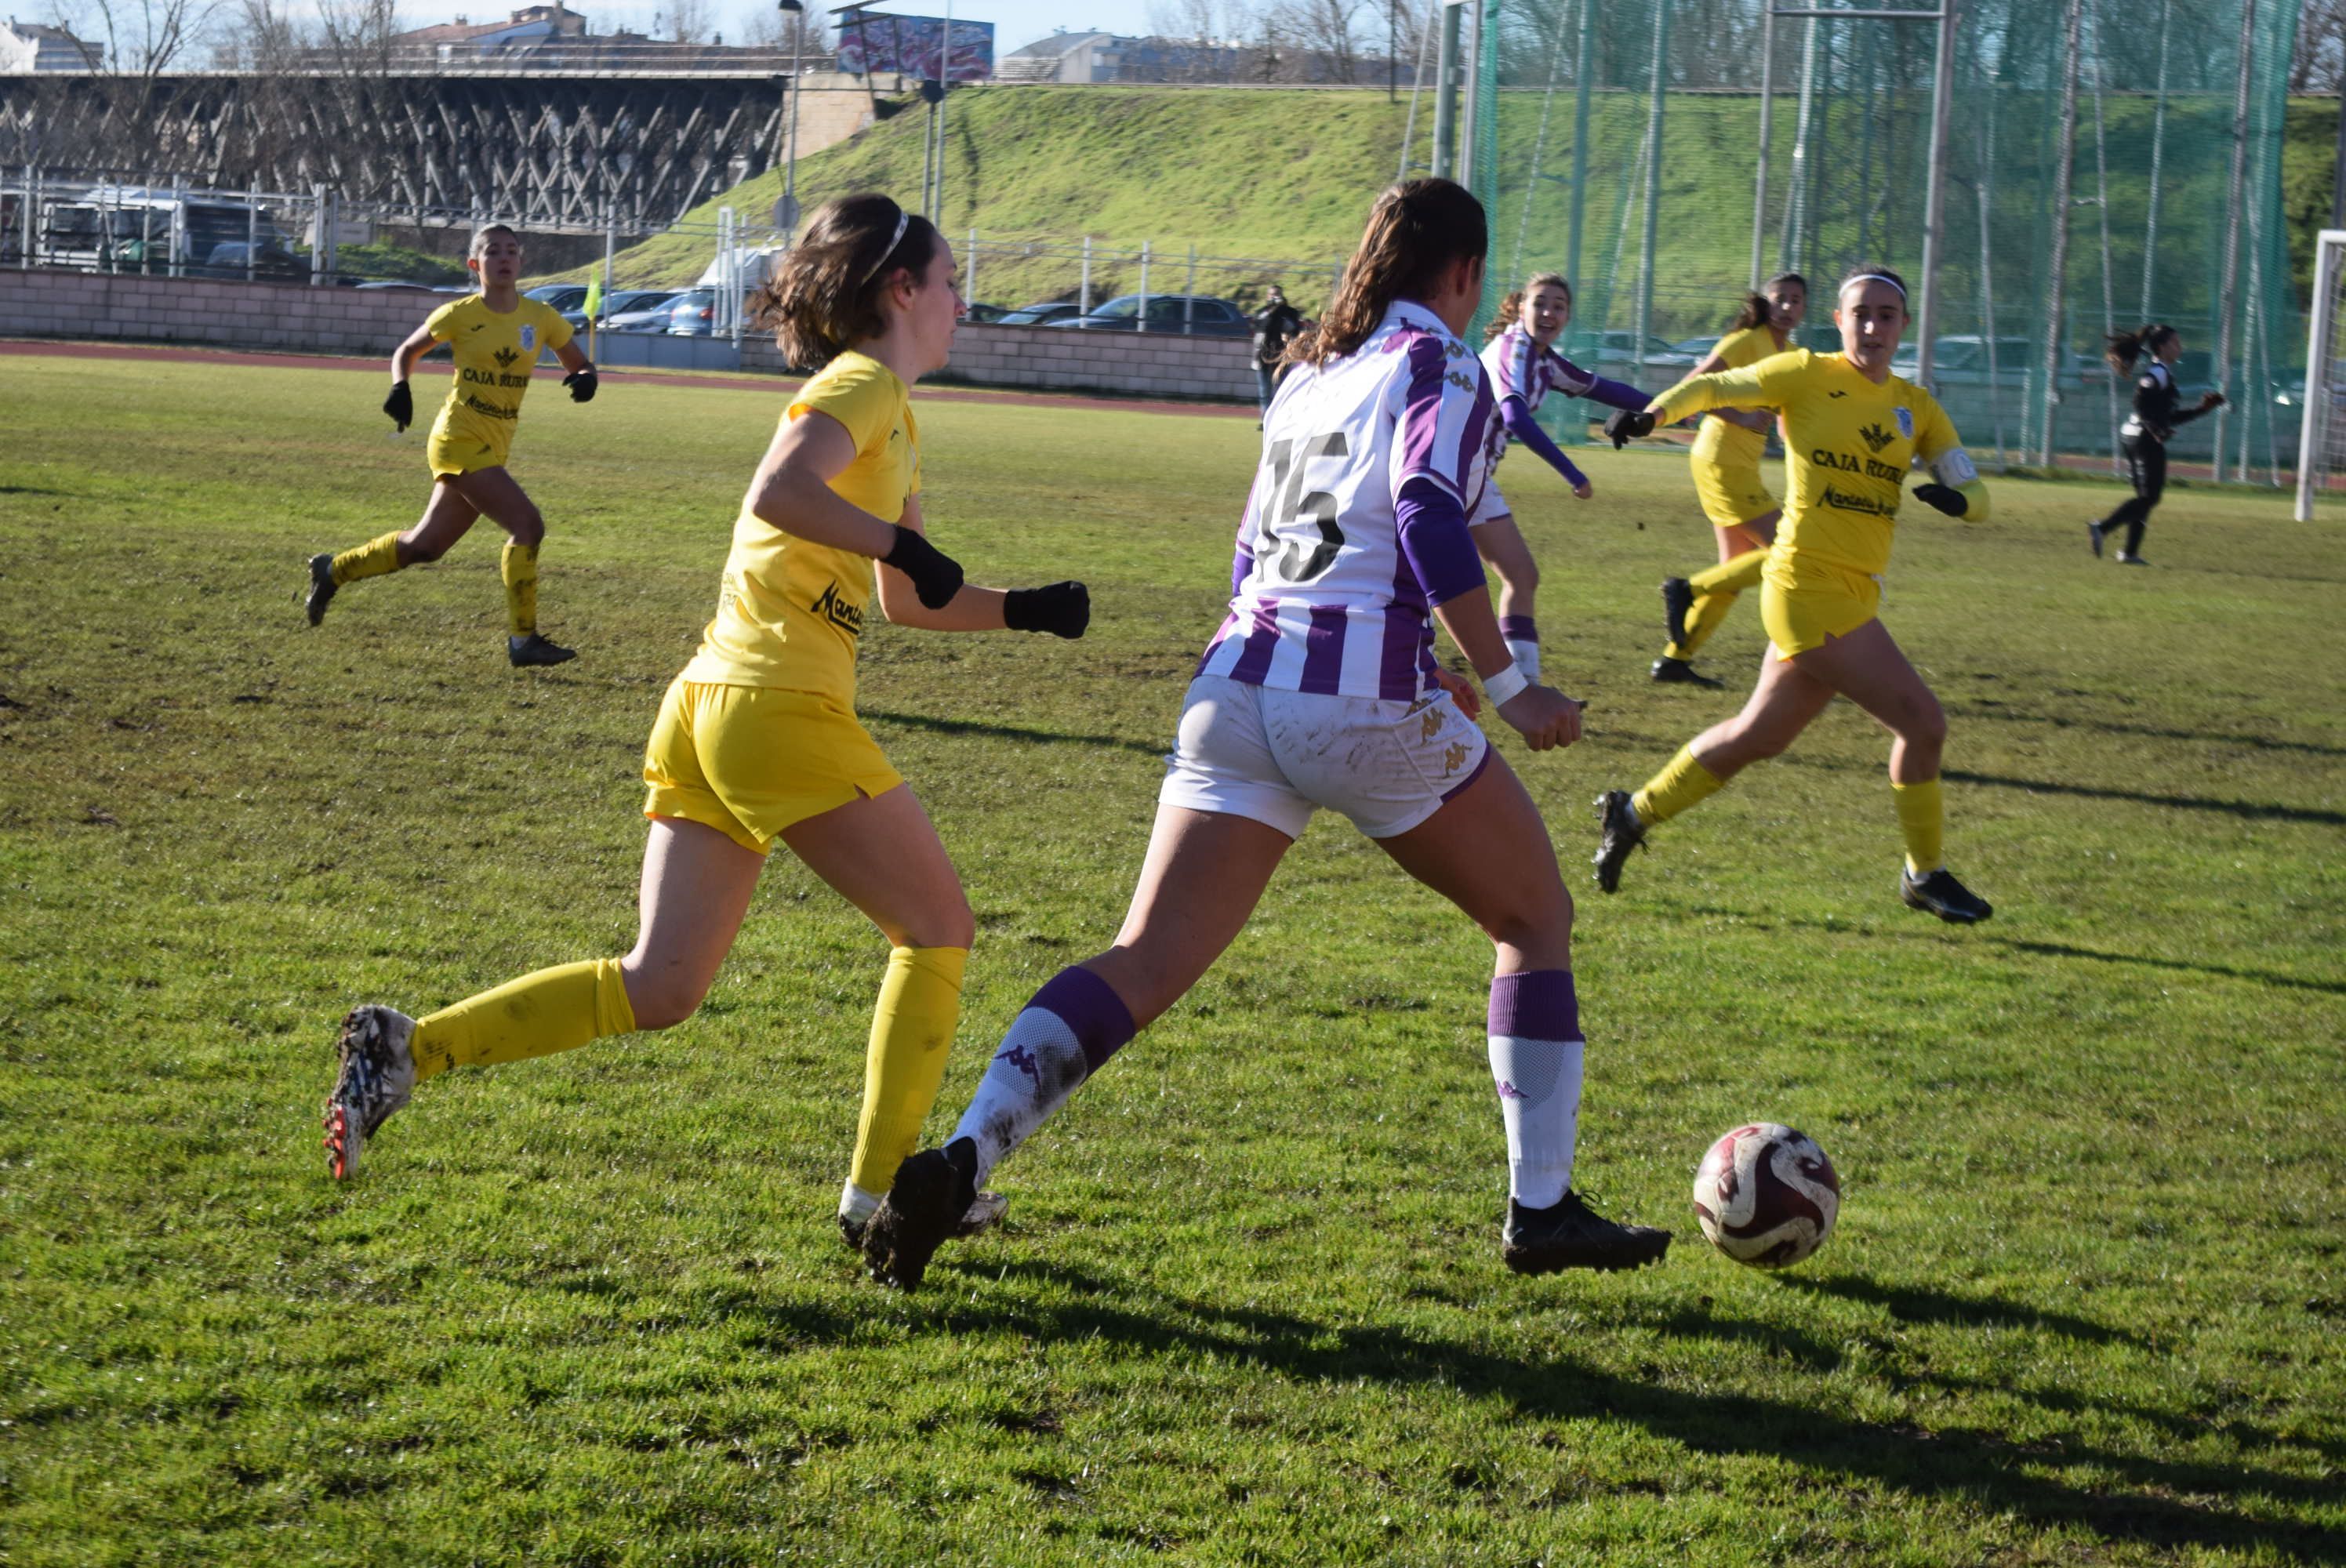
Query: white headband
(1876, 277)
(903, 218)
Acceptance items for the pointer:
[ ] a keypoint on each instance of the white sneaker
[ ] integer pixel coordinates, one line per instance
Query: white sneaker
(376, 1076)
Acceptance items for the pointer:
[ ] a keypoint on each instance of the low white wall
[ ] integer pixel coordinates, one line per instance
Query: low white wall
(230, 313)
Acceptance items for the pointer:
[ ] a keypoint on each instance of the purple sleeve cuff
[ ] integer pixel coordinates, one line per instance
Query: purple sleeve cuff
(1526, 429)
(1435, 541)
(1617, 394)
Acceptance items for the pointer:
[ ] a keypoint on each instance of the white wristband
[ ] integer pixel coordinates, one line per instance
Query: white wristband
(1503, 687)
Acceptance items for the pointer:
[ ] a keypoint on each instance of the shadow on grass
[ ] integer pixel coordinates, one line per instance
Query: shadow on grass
(2252, 810)
(1007, 731)
(2262, 977)
(1968, 1466)
(1909, 1304)
(1997, 715)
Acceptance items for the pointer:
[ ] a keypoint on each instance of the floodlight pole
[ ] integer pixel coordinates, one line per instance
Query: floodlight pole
(1445, 94)
(788, 204)
(1767, 127)
(1934, 195)
(2223, 366)
(1587, 47)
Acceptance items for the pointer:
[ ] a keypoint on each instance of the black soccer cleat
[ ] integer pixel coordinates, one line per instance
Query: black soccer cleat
(979, 1216)
(1678, 672)
(322, 587)
(534, 649)
(1618, 832)
(2128, 559)
(2094, 539)
(1678, 604)
(1940, 894)
(1572, 1236)
(933, 1190)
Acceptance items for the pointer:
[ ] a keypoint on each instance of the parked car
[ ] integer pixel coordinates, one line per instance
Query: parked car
(1620, 346)
(1038, 315)
(1699, 347)
(692, 314)
(651, 317)
(1202, 315)
(981, 313)
(267, 260)
(392, 283)
(561, 296)
(1961, 358)
(618, 302)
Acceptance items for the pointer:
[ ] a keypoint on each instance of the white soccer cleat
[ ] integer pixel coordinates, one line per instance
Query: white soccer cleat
(376, 1076)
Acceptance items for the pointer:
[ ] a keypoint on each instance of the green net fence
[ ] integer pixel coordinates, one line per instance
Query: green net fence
(2106, 163)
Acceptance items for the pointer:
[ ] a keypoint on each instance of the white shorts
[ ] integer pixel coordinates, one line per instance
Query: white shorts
(1492, 505)
(1275, 756)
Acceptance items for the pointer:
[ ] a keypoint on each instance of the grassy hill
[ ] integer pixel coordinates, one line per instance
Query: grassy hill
(1286, 175)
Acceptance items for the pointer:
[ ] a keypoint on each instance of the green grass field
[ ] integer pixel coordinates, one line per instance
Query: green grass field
(2085, 1305)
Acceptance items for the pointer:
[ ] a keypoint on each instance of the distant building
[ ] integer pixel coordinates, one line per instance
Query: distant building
(28, 46)
(1102, 57)
(555, 38)
(531, 24)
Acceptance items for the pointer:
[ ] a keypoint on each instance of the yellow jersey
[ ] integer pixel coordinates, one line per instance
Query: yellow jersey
(1850, 441)
(494, 351)
(791, 612)
(1721, 442)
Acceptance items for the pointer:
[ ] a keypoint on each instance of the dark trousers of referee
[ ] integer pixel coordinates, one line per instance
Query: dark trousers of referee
(2145, 459)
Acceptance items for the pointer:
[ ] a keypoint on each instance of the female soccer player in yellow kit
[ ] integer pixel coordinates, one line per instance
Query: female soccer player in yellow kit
(1852, 431)
(1726, 463)
(495, 337)
(757, 740)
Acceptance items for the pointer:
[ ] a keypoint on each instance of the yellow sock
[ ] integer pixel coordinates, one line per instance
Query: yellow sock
(372, 559)
(1922, 817)
(518, 567)
(557, 1009)
(1715, 589)
(912, 1035)
(1682, 783)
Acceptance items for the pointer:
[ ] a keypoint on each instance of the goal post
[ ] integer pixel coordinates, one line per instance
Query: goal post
(2319, 435)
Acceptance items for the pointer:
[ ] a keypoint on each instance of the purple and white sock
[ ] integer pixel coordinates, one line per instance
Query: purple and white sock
(1521, 635)
(1535, 1050)
(1060, 1038)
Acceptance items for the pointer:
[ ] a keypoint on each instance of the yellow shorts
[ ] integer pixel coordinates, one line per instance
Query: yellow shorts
(751, 760)
(1731, 498)
(1802, 603)
(463, 451)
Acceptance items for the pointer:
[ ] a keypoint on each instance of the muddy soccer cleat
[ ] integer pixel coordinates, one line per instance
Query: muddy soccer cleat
(978, 1218)
(534, 649)
(1618, 832)
(322, 587)
(933, 1190)
(1572, 1235)
(376, 1076)
(1678, 604)
(1940, 894)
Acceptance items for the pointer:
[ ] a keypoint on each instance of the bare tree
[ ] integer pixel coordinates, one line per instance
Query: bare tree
(685, 21)
(769, 27)
(2319, 66)
(1324, 35)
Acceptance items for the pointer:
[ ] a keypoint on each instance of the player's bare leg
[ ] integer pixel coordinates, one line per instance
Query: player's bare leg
(446, 517)
(1487, 851)
(1204, 874)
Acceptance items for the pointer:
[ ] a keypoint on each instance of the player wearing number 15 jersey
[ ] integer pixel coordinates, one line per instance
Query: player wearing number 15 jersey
(1321, 690)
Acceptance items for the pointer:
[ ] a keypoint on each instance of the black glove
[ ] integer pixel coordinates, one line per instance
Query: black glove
(1062, 609)
(581, 382)
(1627, 425)
(400, 404)
(2211, 400)
(936, 576)
(1946, 498)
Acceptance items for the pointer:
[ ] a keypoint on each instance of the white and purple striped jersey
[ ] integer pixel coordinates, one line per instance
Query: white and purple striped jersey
(1326, 595)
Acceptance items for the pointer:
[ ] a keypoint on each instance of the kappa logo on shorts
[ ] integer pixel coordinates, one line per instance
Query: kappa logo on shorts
(1429, 727)
(1453, 758)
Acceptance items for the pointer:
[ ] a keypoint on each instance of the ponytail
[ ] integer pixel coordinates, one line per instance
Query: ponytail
(1757, 310)
(825, 297)
(1416, 230)
(2125, 348)
(1505, 317)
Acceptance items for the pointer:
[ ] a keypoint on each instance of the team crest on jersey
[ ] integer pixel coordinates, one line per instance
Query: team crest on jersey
(505, 357)
(528, 336)
(1876, 438)
(1905, 423)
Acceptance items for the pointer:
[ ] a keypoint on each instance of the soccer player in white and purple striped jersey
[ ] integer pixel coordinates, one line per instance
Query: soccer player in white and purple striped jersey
(1321, 690)
(1524, 367)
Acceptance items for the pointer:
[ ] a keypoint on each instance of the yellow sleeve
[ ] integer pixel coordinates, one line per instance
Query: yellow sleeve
(860, 400)
(1771, 384)
(1937, 444)
(437, 323)
(553, 332)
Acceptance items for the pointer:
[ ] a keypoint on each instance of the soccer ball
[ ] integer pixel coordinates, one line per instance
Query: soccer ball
(1765, 1195)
